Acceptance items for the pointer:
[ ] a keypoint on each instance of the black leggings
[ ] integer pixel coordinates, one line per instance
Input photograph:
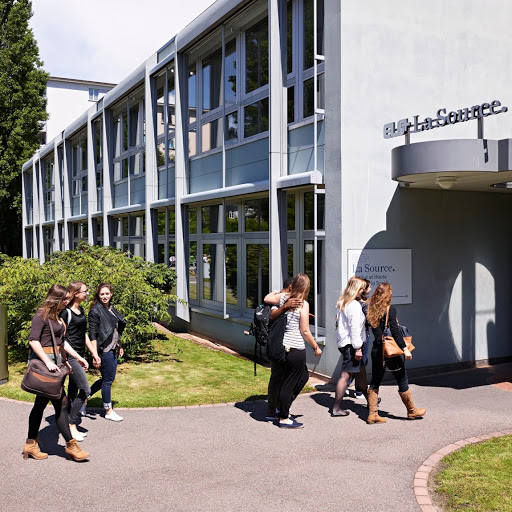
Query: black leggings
(378, 372)
(61, 416)
(295, 378)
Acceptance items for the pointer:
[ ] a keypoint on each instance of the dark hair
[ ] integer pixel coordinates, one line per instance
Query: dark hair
(287, 282)
(364, 294)
(96, 299)
(53, 300)
(300, 287)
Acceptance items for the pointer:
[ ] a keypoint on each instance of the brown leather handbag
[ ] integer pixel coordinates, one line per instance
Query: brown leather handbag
(389, 346)
(41, 381)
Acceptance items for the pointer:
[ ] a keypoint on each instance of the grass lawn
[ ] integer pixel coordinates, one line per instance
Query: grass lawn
(183, 373)
(478, 477)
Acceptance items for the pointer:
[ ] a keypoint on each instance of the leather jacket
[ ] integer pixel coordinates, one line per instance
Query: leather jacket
(102, 324)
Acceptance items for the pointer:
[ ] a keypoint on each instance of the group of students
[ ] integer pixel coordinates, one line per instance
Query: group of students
(355, 315)
(61, 321)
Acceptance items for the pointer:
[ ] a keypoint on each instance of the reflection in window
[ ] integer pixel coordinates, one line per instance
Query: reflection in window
(211, 221)
(289, 266)
(192, 220)
(172, 222)
(230, 72)
(211, 135)
(256, 118)
(213, 272)
(291, 104)
(256, 214)
(309, 219)
(291, 212)
(231, 218)
(192, 271)
(231, 274)
(137, 225)
(232, 126)
(309, 98)
(308, 270)
(212, 69)
(192, 94)
(256, 56)
(289, 38)
(257, 278)
(308, 31)
(161, 222)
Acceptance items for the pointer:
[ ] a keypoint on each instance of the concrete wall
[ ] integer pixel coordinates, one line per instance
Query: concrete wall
(399, 59)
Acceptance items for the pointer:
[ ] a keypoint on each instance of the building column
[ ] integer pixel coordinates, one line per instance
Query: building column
(278, 147)
(151, 163)
(57, 173)
(40, 208)
(182, 310)
(68, 161)
(108, 176)
(334, 258)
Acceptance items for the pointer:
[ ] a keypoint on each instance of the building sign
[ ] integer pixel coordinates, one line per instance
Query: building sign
(443, 118)
(378, 265)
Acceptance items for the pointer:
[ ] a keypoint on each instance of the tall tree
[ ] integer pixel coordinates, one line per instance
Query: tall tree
(22, 111)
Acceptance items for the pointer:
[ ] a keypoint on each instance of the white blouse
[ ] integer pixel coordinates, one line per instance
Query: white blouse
(350, 325)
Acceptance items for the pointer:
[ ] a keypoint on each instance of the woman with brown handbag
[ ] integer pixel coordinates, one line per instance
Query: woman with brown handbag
(48, 331)
(379, 308)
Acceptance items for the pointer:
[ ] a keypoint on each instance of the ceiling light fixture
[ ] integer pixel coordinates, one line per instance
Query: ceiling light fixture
(446, 182)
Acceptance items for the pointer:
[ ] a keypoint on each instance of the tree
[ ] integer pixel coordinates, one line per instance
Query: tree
(22, 111)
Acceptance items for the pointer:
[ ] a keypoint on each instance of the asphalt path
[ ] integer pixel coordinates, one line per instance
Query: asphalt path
(228, 458)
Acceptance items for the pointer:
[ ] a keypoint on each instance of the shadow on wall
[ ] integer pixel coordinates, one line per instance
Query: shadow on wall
(461, 248)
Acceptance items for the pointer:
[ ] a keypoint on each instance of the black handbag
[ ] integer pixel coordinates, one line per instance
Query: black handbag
(41, 381)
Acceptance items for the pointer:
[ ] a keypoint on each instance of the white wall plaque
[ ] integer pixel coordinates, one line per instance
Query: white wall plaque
(391, 265)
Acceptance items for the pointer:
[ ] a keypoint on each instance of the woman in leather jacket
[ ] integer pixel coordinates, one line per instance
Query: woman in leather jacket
(105, 328)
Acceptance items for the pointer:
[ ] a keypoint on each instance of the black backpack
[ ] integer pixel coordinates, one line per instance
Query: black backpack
(259, 329)
(275, 349)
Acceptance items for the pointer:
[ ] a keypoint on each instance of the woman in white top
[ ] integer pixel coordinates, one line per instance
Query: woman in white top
(350, 334)
(296, 333)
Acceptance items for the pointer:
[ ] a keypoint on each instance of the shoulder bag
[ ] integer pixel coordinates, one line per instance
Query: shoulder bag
(41, 381)
(389, 346)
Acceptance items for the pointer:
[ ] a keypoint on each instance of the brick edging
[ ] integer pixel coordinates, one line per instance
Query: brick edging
(421, 477)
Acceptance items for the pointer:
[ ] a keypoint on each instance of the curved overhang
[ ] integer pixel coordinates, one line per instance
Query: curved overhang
(459, 164)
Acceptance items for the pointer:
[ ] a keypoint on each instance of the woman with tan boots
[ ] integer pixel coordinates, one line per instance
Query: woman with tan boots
(47, 329)
(380, 309)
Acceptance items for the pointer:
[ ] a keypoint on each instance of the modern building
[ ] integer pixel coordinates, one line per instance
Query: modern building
(271, 137)
(67, 99)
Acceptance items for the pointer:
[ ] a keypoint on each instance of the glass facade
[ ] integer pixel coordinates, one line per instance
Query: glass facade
(116, 190)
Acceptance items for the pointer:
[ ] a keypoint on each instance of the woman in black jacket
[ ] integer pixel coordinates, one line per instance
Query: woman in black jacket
(378, 308)
(105, 328)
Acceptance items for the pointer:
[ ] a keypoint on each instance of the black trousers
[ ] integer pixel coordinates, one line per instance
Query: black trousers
(295, 378)
(378, 371)
(61, 416)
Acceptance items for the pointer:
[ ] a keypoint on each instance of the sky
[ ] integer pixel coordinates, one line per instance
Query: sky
(105, 40)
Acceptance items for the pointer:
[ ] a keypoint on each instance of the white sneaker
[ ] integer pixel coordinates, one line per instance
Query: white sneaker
(359, 395)
(79, 437)
(113, 416)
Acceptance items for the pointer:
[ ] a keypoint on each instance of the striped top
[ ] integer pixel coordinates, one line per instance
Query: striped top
(292, 335)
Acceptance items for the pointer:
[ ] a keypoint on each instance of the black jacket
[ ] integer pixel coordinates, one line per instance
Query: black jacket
(102, 324)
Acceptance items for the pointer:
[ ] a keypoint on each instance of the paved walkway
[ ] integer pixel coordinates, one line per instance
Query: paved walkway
(227, 458)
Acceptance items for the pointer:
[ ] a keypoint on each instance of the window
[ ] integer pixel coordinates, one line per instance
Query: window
(256, 56)
(257, 274)
(256, 215)
(93, 94)
(256, 118)
(211, 221)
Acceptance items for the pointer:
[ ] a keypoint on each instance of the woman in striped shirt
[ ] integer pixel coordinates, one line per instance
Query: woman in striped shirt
(296, 334)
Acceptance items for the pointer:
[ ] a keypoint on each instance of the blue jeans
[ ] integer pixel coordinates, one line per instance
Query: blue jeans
(77, 381)
(108, 371)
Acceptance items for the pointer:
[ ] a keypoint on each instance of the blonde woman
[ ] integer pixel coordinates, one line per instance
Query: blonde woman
(379, 308)
(350, 335)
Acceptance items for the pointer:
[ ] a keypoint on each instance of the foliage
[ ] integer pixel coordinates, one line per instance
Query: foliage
(478, 477)
(142, 290)
(181, 373)
(22, 107)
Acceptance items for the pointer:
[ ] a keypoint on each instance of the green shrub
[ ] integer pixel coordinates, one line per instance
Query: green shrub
(142, 290)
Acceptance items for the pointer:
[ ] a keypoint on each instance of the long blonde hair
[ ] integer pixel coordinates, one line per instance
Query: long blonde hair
(378, 303)
(354, 285)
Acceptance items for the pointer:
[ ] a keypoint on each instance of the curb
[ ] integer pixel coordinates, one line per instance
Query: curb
(421, 477)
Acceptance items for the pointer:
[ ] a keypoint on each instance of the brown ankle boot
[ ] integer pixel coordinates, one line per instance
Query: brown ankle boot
(74, 452)
(31, 449)
(373, 405)
(412, 411)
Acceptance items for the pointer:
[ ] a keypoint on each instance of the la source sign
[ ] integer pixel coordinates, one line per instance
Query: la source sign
(443, 118)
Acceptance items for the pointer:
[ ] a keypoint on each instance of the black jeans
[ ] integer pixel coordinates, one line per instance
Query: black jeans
(378, 372)
(274, 385)
(61, 416)
(77, 381)
(295, 378)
